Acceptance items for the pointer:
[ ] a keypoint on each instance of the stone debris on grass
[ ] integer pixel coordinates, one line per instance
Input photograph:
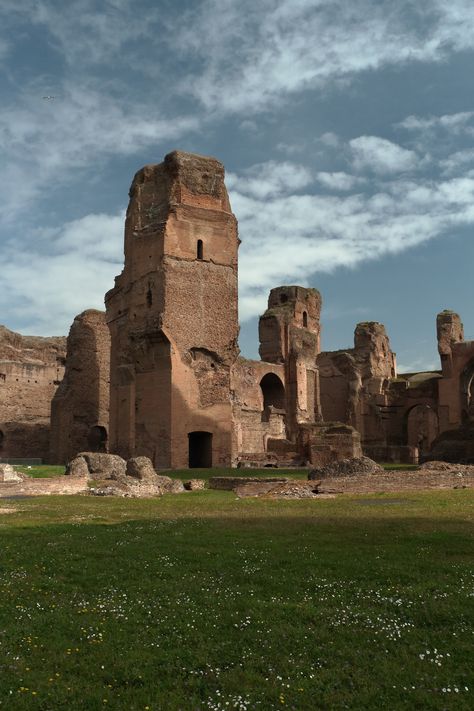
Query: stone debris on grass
(356, 466)
(291, 489)
(460, 469)
(194, 484)
(108, 466)
(8, 474)
(229, 483)
(113, 476)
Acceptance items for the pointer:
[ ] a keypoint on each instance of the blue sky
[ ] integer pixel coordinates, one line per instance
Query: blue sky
(346, 128)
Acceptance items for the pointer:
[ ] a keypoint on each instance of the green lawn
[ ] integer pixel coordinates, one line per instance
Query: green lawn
(49, 470)
(41, 471)
(205, 601)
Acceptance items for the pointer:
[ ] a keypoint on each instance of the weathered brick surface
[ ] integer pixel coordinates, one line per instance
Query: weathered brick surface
(31, 368)
(80, 407)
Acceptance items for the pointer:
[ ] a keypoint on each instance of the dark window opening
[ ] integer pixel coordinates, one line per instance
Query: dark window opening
(97, 439)
(283, 298)
(273, 391)
(305, 319)
(200, 450)
(2, 439)
(200, 249)
(149, 297)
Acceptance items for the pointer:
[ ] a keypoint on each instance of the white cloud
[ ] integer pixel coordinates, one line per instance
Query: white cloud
(381, 156)
(455, 123)
(338, 180)
(330, 139)
(289, 238)
(85, 32)
(64, 271)
(270, 179)
(457, 161)
(75, 131)
(256, 54)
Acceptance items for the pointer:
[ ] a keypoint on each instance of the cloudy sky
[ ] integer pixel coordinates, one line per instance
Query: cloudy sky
(346, 128)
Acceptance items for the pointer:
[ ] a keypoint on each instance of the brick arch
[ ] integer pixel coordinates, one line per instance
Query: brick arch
(421, 426)
(273, 391)
(466, 394)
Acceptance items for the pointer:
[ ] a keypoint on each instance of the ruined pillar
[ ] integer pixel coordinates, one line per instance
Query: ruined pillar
(80, 407)
(449, 330)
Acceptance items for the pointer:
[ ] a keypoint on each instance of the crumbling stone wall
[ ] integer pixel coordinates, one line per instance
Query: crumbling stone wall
(80, 407)
(31, 368)
(255, 422)
(354, 382)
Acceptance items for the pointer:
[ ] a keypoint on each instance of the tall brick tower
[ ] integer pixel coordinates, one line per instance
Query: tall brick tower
(173, 317)
(289, 333)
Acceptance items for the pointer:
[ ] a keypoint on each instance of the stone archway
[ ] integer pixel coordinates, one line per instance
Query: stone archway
(422, 427)
(467, 393)
(273, 391)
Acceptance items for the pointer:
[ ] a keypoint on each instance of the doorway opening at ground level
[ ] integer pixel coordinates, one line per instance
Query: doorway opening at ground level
(97, 439)
(200, 450)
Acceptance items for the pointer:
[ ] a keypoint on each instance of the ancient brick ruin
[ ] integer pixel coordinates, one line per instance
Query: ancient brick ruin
(181, 394)
(80, 407)
(31, 369)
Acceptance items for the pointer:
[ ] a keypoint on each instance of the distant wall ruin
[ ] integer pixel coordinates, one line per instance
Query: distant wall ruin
(179, 391)
(31, 369)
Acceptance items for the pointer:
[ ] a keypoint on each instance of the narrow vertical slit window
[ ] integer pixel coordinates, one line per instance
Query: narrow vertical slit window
(305, 319)
(200, 250)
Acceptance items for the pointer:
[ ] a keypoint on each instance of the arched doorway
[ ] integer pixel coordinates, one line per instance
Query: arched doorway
(273, 391)
(422, 428)
(467, 393)
(97, 439)
(200, 450)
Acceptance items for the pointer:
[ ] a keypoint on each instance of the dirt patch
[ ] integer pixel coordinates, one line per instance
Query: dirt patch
(7, 511)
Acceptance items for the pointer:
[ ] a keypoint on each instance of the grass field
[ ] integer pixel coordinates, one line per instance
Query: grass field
(49, 470)
(42, 471)
(204, 601)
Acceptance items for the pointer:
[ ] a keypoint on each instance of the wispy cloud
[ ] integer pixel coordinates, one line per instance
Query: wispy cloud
(258, 54)
(381, 156)
(292, 237)
(456, 162)
(64, 271)
(456, 123)
(270, 179)
(338, 180)
(75, 131)
(88, 32)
